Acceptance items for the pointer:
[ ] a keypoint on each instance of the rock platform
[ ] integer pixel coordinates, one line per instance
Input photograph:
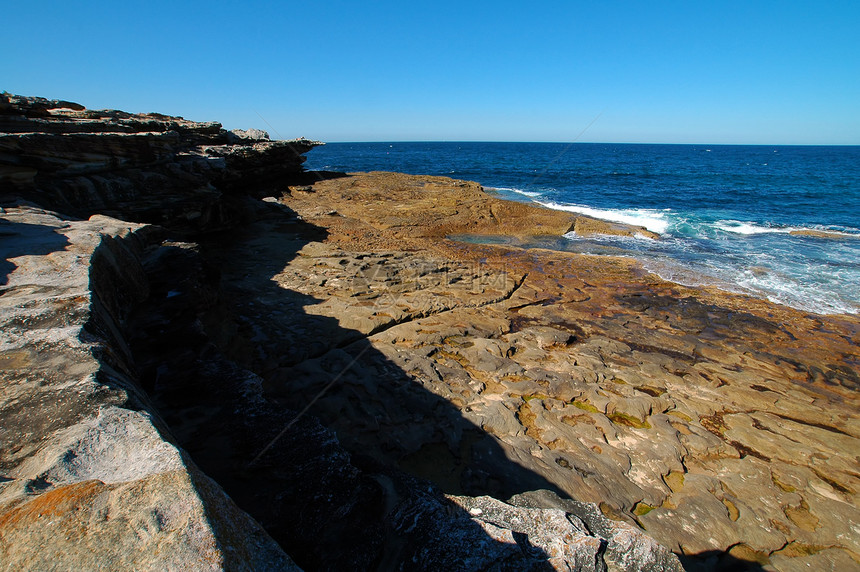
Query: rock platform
(166, 336)
(724, 426)
(195, 378)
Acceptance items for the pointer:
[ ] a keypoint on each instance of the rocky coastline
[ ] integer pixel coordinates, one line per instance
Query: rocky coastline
(213, 359)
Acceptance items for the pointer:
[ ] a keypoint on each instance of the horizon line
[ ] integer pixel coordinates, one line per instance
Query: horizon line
(392, 141)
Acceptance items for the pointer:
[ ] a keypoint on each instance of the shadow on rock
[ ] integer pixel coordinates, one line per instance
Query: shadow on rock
(378, 411)
(22, 239)
(717, 561)
(332, 499)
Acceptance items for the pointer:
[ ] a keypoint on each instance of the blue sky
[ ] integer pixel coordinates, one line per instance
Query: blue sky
(664, 72)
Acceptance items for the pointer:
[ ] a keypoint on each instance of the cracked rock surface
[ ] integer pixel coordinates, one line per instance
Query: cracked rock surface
(723, 426)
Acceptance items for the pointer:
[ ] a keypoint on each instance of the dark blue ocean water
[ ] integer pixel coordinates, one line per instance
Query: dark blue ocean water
(726, 213)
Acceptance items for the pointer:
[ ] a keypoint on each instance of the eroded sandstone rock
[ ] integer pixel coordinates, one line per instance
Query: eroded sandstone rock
(592, 398)
(220, 414)
(140, 167)
(722, 425)
(90, 477)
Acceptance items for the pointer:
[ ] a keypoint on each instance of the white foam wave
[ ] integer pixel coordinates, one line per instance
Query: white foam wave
(679, 273)
(770, 284)
(655, 221)
(530, 194)
(748, 228)
(739, 227)
(793, 292)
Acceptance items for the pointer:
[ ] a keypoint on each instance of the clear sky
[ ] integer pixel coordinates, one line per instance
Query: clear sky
(665, 72)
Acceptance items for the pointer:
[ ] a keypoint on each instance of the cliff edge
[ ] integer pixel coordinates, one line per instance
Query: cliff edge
(131, 376)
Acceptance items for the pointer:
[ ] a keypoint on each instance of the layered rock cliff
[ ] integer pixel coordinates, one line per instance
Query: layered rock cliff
(151, 343)
(147, 167)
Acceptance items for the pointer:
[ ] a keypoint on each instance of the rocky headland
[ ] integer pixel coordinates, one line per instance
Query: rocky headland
(212, 359)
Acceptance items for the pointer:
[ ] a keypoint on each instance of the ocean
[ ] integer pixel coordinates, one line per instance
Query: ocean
(747, 219)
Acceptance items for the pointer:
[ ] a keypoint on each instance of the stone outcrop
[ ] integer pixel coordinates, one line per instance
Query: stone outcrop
(90, 475)
(216, 410)
(372, 372)
(139, 167)
(402, 207)
(135, 368)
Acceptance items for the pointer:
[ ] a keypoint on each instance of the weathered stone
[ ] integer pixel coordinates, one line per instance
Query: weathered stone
(88, 475)
(724, 426)
(145, 168)
(392, 519)
(627, 548)
(607, 385)
(250, 133)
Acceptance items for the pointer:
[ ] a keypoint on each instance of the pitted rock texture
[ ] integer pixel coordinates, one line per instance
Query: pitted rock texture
(277, 463)
(724, 426)
(309, 363)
